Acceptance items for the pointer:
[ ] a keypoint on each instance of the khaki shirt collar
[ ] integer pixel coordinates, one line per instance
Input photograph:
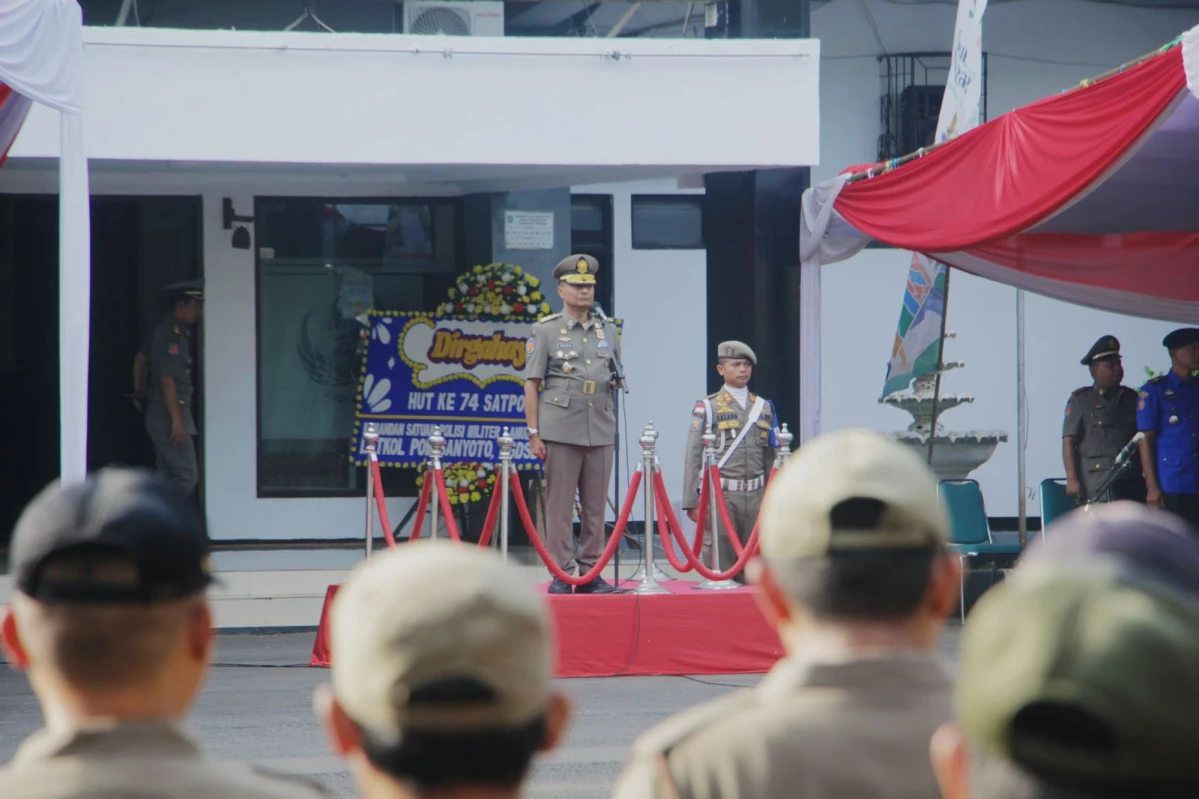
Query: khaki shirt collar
(880, 668)
(101, 737)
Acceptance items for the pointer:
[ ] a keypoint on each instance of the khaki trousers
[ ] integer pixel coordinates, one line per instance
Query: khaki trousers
(589, 470)
(743, 513)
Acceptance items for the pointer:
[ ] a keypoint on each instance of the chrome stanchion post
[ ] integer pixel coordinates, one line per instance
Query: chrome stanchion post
(436, 443)
(649, 579)
(506, 445)
(648, 542)
(783, 455)
(709, 439)
(370, 442)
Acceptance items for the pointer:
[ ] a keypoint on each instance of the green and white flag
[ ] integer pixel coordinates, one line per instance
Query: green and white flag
(917, 347)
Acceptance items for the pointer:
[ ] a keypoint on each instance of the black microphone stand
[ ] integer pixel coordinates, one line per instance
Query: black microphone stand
(1118, 469)
(618, 372)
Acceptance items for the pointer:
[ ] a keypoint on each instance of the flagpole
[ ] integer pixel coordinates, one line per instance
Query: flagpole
(1021, 427)
(932, 433)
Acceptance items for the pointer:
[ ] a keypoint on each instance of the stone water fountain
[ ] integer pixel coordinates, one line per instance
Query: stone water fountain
(955, 455)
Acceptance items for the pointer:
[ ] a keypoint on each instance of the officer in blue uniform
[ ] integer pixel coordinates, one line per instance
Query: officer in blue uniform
(1168, 415)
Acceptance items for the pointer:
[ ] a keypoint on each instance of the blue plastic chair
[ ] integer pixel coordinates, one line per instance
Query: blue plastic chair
(969, 531)
(1055, 502)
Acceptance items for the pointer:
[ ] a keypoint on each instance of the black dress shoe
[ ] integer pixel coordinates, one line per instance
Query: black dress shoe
(599, 586)
(559, 587)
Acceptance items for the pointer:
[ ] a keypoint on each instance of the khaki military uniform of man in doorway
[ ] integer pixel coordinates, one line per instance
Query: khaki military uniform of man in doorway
(569, 380)
(745, 427)
(1100, 420)
(164, 374)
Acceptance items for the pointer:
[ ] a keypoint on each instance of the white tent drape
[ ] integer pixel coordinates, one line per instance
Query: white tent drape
(41, 58)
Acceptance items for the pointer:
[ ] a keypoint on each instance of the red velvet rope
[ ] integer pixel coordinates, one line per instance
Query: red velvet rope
(693, 562)
(493, 512)
(422, 508)
(723, 509)
(381, 501)
(443, 499)
(622, 522)
(665, 519)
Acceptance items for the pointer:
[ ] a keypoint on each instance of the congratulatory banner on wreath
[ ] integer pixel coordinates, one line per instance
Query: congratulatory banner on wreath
(465, 375)
(462, 367)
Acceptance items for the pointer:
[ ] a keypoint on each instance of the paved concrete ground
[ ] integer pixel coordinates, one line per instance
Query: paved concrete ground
(257, 706)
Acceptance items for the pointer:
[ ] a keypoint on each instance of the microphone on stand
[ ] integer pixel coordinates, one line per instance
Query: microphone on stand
(1126, 453)
(613, 362)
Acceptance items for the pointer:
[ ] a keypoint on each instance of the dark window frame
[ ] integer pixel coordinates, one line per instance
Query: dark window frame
(697, 200)
(402, 479)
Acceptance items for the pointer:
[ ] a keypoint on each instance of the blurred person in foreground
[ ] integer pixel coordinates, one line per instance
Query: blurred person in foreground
(1080, 673)
(855, 575)
(441, 660)
(109, 620)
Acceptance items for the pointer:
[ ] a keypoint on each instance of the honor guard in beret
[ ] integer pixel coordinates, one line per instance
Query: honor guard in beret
(1077, 672)
(570, 382)
(746, 428)
(109, 619)
(853, 538)
(1168, 415)
(1101, 420)
(164, 384)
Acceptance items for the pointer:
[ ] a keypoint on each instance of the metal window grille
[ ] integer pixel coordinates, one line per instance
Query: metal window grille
(911, 87)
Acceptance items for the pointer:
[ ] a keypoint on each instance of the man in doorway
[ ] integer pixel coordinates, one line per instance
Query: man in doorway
(1166, 414)
(746, 437)
(1101, 419)
(569, 380)
(163, 375)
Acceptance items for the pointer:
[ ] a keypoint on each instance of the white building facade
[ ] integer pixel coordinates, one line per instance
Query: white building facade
(284, 125)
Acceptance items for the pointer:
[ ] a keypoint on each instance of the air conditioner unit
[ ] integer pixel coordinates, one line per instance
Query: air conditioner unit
(455, 18)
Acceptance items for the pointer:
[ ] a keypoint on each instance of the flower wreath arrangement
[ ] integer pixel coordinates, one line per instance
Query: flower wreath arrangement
(464, 482)
(496, 292)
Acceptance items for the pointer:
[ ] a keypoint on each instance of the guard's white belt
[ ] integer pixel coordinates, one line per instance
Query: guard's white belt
(743, 485)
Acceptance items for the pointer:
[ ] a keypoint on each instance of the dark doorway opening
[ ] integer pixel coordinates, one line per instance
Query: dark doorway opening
(139, 245)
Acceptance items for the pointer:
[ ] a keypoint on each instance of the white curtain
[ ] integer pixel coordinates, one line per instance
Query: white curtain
(41, 58)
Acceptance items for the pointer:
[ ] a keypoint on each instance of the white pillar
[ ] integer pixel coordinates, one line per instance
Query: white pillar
(74, 298)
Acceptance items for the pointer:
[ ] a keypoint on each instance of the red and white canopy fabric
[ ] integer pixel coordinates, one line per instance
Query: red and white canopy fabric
(1090, 196)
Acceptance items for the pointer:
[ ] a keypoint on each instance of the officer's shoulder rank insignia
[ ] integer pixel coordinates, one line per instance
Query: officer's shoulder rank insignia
(1155, 380)
(549, 317)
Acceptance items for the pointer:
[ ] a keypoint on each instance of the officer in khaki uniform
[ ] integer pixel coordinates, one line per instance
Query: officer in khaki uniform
(1077, 675)
(109, 618)
(746, 429)
(442, 666)
(1100, 420)
(855, 575)
(168, 363)
(569, 407)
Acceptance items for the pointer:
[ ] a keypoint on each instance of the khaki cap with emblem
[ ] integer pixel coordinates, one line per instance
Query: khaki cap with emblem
(796, 518)
(1085, 674)
(578, 270)
(735, 350)
(1105, 347)
(434, 611)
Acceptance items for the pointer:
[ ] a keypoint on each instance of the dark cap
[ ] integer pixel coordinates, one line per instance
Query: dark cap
(1181, 337)
(187, 288)
(1105, 347)
(1080, 667)
(131, 518)
(578, 270)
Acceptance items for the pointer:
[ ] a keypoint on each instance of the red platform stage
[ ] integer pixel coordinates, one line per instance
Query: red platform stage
(683, 632)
